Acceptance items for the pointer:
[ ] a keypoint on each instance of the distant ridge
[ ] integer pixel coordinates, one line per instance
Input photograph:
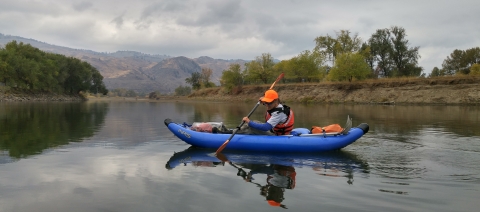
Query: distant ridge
(138, 71)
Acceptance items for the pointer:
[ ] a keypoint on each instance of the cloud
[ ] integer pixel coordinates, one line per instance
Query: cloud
(231, 29)
(82, 6)
(118, 21)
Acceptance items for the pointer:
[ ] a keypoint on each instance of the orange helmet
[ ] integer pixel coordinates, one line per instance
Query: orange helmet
(269, 96)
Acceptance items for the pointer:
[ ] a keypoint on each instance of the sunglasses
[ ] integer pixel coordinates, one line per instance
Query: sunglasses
(268, 103)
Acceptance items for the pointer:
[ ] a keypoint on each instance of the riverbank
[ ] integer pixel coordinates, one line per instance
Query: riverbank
(463, 90)
(12, 96)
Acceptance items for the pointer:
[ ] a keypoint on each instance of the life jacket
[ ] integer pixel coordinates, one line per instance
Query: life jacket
(282, 128)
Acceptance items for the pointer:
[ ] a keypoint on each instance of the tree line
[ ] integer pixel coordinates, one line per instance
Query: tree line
(343, 57)
(27, 68)
(460, 62)
(347, 57)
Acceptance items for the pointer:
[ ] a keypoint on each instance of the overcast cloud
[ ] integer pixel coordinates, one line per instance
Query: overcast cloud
(228, 29)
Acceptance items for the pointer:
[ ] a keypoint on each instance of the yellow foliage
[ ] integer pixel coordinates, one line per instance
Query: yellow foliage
(475, 69)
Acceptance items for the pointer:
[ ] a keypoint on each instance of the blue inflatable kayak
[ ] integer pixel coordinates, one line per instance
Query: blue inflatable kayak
(268, 143)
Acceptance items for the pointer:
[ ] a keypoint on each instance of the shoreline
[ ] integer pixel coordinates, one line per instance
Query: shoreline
(439, 91)
(39, 97)
(410, 91)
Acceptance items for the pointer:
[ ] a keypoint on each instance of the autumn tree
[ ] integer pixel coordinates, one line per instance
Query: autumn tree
(205, 78)
(349, 66)
(307, 66)
(460, 61)
(330, 47)
(232, 77)
(260, 69)
(475, 69)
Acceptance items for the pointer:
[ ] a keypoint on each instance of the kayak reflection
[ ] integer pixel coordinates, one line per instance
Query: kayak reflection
(279, 168)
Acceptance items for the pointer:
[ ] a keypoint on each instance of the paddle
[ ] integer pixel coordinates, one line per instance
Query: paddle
(243, 122)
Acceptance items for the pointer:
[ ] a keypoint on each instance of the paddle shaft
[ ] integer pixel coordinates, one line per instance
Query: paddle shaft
(238, 128)
(243, 122)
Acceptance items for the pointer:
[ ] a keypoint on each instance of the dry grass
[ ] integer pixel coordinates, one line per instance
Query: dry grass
(406, 89)
(389, 82)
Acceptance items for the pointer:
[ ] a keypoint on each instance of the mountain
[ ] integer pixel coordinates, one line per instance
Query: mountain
(138, 71)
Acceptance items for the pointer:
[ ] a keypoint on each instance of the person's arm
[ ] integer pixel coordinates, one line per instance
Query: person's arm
(260, 126)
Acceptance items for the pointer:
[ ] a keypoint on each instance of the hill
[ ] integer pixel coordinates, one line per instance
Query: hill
(135, 70)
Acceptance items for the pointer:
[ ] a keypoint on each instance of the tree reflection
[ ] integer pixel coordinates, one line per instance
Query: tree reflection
(29, 128)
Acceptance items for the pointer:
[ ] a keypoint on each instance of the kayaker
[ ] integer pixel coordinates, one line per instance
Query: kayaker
(279, 118)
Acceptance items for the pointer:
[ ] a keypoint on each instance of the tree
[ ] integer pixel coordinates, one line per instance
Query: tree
(347, 43)
(453, 64)
(331, 47)
(3, 71)
(380, 49)
(194, 80)
(404, 59)
(390, 51)
(232, 77)
(154, 95)
(260, 69)
(205, 78)
(25, 67)
(98, 86)
(120, 92)
(131, 93)
(436, 72)
(183, 91)
(349, 66)
(307, 66)
(326, 46)
(366, 51)
(475, 69)
(460, 62)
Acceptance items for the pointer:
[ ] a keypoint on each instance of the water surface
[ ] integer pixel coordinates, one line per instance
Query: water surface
(119, 156)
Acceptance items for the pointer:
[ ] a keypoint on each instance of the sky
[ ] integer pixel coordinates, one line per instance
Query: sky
(240, 29)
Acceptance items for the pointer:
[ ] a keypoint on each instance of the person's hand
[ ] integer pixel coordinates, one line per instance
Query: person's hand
(246, 119)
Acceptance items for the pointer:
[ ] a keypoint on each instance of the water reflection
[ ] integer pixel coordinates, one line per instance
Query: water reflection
(411, 120)
(273, 174)
(278, 178)
(29, 128)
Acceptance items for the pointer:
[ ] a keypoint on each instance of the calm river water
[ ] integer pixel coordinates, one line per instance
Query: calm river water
(119, 156)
